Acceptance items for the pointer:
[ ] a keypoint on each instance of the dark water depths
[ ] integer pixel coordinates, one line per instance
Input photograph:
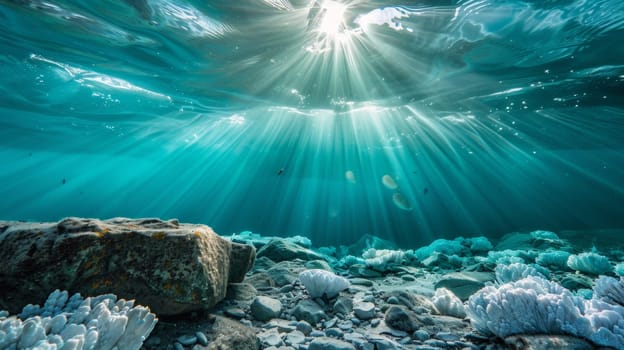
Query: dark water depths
(407, 120)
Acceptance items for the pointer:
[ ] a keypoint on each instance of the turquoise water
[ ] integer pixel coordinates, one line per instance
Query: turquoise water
(406, 120)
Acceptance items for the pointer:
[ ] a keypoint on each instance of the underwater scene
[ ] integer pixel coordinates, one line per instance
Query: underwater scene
(311, 174)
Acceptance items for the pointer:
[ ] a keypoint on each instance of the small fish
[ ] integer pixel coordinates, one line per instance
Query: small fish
(280, 172)
(63, 181)
(425, 190)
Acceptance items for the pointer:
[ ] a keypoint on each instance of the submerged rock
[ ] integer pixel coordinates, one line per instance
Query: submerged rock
(552, 342)
(171, 267)
(399, 317)
(229, 334)
(464, 284)
(309, 311)
(282, 249)
(264, 308)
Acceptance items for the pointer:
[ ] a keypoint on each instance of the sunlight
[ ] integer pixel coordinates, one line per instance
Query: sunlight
(332, 20)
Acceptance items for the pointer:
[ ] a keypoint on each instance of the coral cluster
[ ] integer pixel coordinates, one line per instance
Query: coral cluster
(533, 305)
(64, 322)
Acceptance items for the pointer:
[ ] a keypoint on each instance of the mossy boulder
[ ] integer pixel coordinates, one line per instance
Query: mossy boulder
(171, 267)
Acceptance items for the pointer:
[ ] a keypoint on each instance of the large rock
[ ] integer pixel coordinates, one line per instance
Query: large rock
(171, 267)
(279, 249)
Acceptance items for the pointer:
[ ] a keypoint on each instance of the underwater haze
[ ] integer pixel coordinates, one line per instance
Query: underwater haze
(409, 120)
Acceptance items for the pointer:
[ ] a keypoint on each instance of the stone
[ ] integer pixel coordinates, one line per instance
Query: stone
(242, 292)
(343, 305)
(229, 334)
(382, 343)
(447, 336)
(318, 264)
(414, 302)
(284, 273)
(282, 326)
(304, 327)
(334, 332)
(364, 310)
(281, 249)
(235, 312)
(201, 338)
(326, 343)
(263, 263)
(361, 282)
(265, 308)
(399, 317)
(271, 337)
(260, 280)
(242, 257)
(464, 284)
(421, 335)
(173, 268)
(551, 342)
(187, 339)
(309, 311)
(295, 338)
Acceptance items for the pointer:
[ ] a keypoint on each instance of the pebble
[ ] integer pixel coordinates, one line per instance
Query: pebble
(326, 343)
(361, 282)
(187, 340)
(295, 338)
(436, 343)
(421, 335)
(178, 346)
(201, 338)
(287, 288)
(309, 311)
(273, 339)
(345, 325)
(331, 323)
(235, 312)
(402, 319)
(304, 327)
(375, 322)
(447, 336)
(385, 344)
(334, 332)
(393, 300)
(316, 334)
(265, 308)
(364, 310)
(369, 298)
(343, 305)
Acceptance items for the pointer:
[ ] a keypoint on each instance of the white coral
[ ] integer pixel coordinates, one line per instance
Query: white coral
(610, 290)
(536, 306)
(381, 258)
(531, 305)
(448, 303)
(101, 322)
(514, 272)
(321, 282)
(592, 263)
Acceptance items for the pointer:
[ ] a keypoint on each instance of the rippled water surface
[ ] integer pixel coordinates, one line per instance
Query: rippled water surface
(331, 119)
